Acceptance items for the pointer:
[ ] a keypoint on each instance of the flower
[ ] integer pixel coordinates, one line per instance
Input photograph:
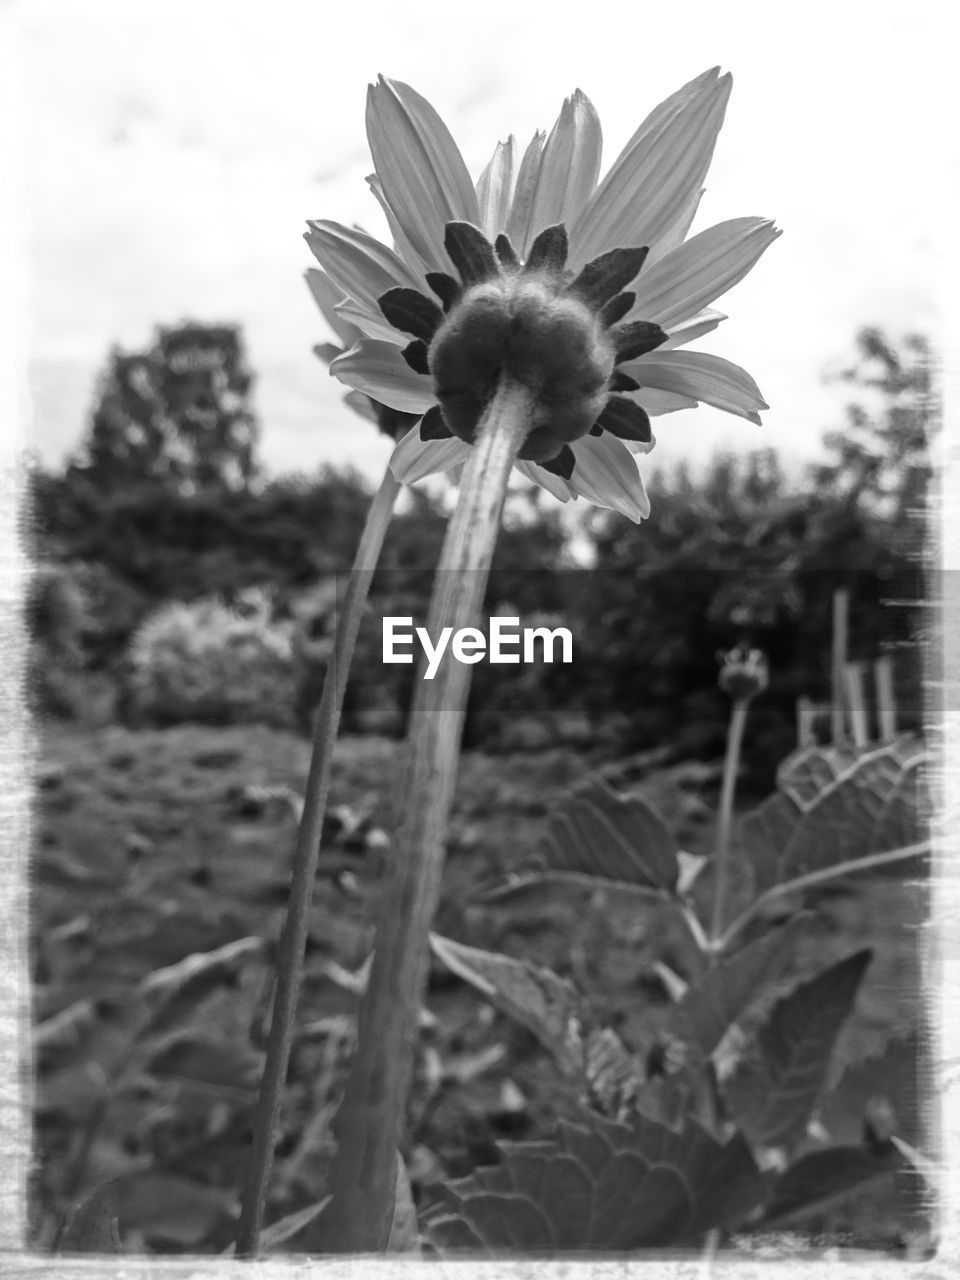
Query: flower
(544, 256)
(743, 672)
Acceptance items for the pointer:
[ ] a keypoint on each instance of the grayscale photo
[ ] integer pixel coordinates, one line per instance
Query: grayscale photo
(474, 709)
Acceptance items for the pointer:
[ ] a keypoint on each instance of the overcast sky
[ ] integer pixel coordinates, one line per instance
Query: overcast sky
(175, 151)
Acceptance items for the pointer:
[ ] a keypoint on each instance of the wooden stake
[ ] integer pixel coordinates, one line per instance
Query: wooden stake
(856, 703)
(886, 698)
(841, 615)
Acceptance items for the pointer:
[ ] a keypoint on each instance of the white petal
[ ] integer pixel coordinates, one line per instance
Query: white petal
(421, 170)
(569, 165)
(495, 189)
(413, 458)
(358, 264)
(657, 402)
(366, 325)
(327, 296)
(691, 277)
(704, 321)
(652, 183)
(710, 379)
(546, 480)
(400, 241)
(379, 370)
(518, 224)
(606, 474)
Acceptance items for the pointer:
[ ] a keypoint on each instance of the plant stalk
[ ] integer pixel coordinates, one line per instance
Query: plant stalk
(721, 856)
(306, 852)
(370, 1121)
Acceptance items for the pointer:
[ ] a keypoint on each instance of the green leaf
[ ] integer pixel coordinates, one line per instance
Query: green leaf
(773, 1092)
(194, 1059)
(404, 1234)
(536, 997)
(892, 1078)
(823, 1179)
(166, 1206)
(724, 993)
(598, 834)
(599, 1185)
(169, 995)
(833, 808)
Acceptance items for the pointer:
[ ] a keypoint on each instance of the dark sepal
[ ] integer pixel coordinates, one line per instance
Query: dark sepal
(505, 251)
(416, 356)
(562, 465)
(432, 425)
(625, 419)
(549, 251)
(470, 252)
(636, 338)
(621, 381)
(411, 312)
(604, 277)
(616, 308)
(445, 287)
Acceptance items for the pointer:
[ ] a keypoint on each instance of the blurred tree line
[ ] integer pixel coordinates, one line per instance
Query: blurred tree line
(165, 505)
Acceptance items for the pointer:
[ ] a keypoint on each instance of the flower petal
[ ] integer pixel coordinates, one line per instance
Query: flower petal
(705, 321)
(569, 165)
(366, 325)
(413, 458)
(358, 264)
(710, 379)
(495, 189)
(689, 278)
(657, 402)
(421, 171)
(518, 224)
(327, 297)
(553, 484)
(607, 475)
(400, 241)
(651, 184)
(379, 370)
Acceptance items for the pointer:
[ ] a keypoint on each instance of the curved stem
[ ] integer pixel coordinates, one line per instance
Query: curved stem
(738, 718)
(370, 1121)
(293, 939)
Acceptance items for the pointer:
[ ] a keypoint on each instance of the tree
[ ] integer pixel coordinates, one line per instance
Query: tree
(177, 415)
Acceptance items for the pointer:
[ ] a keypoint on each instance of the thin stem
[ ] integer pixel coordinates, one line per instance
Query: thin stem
(721, 856)
(809, 881)
(293, 939)
(371, 1117)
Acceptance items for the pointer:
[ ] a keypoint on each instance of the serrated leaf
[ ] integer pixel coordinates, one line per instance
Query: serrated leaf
(93, 1226)
(775, 1089)
(824, 815)
(823, 1179)
(600, 834)
(536, 997)
(600, 1185)
(807, 772)
(724, 993)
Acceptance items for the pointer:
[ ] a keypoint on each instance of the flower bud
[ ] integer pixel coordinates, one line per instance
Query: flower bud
(743, 673)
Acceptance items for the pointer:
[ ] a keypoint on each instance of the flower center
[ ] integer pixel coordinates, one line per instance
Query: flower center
(560, 338)
(519, 327)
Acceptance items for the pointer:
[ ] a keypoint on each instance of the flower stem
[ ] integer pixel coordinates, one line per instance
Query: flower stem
(293, 939)
(370, 1120)
(721, 855)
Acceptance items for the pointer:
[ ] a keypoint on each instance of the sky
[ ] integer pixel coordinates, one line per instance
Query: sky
(173, 153)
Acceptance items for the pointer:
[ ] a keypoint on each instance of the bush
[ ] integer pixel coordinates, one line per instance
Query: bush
(213, 663)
